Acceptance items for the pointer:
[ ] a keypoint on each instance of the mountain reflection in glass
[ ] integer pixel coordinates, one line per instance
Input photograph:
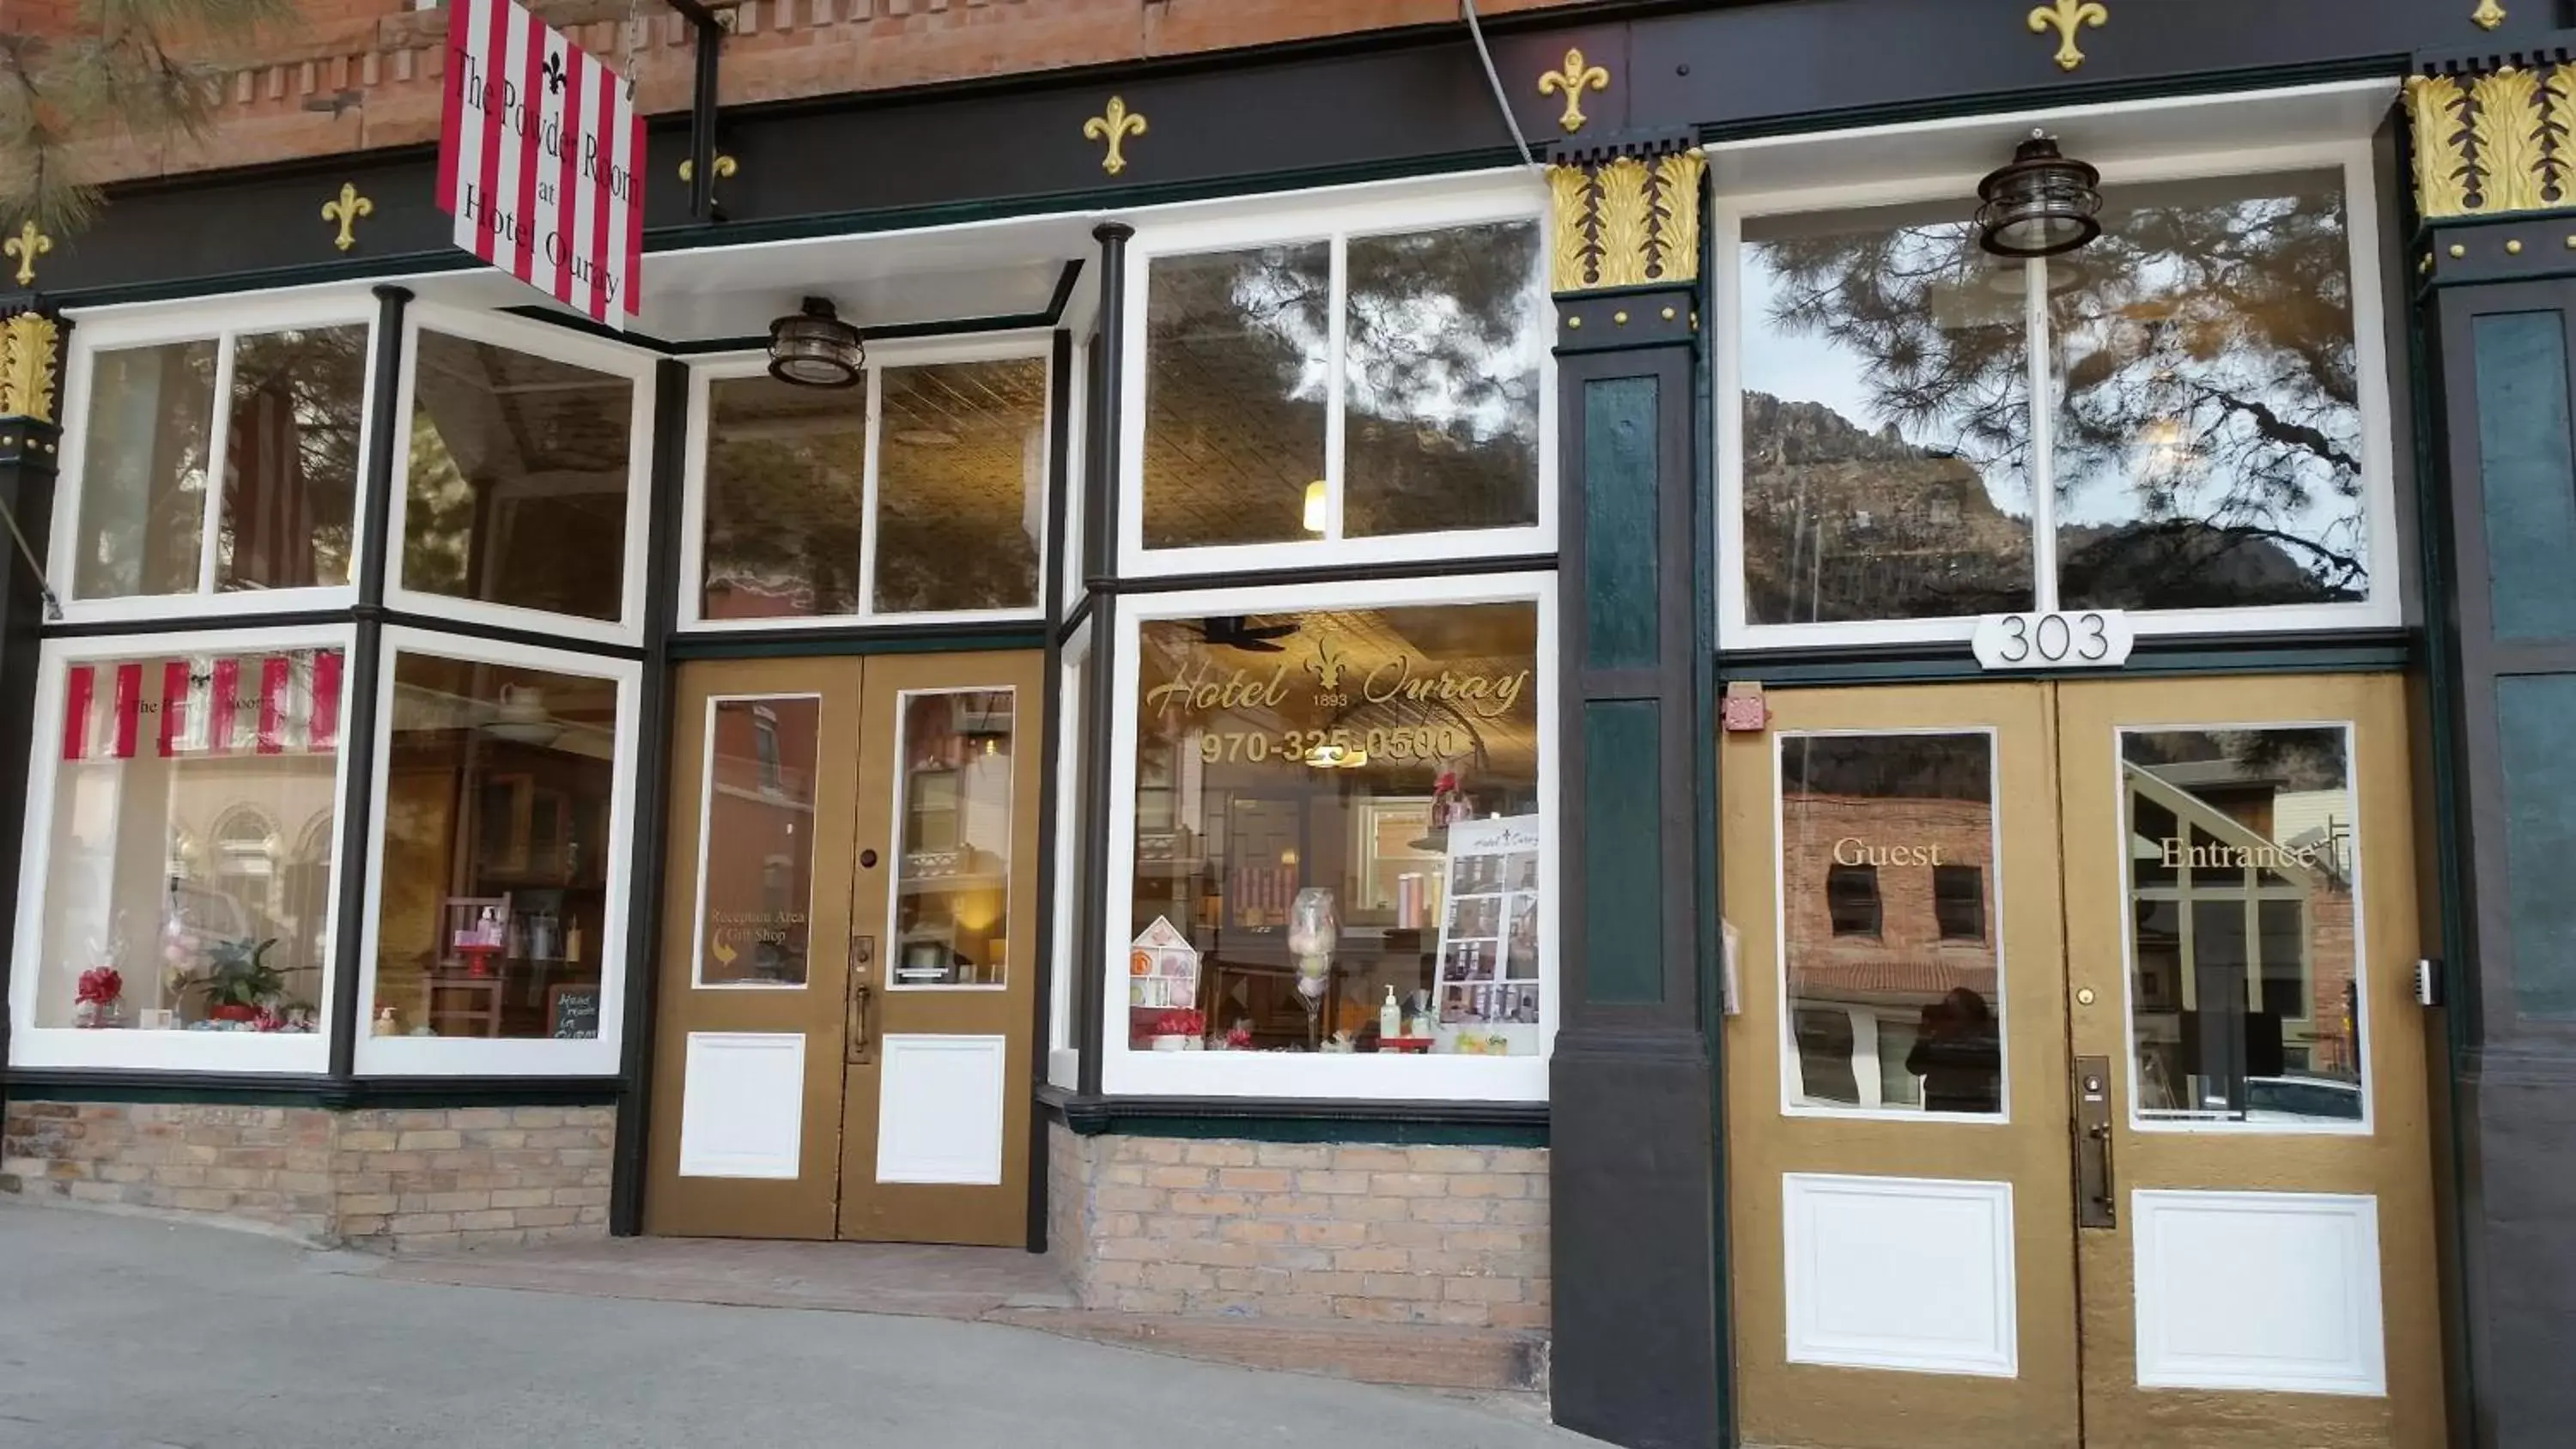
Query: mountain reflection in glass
(2245, 993)
(2207, 442)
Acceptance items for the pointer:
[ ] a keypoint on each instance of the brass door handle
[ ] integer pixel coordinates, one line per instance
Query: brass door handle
(2096, 1199)
(862, 1046)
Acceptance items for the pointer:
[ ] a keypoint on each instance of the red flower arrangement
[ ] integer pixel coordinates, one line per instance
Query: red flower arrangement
(1176, 1021)
(99, 986)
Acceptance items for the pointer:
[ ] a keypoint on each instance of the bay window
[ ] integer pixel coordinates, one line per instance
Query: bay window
(2184, 418)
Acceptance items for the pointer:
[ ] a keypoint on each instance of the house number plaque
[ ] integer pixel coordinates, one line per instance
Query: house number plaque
(2055, 639)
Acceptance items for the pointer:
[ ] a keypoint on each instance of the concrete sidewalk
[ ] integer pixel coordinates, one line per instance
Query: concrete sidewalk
(125, 1333)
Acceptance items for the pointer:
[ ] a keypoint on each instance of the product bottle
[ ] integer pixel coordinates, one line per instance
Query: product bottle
(572, 942)
(1390, 1017)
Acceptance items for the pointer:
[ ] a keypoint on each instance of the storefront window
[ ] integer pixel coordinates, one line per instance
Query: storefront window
(785, 500)
(2205, 444)
(288, 433)
(961, 486)
(497, 915)
(187, 870)
(519, 478)
(1340, 834)
(1284, 406)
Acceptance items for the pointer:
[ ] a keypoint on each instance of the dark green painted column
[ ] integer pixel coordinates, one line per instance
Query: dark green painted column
(31, 344)
(1638, 1342)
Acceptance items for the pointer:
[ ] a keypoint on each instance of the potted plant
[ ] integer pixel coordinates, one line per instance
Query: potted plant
(238, 981)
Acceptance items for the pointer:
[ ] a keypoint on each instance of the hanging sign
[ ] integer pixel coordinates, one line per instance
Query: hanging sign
(539, 157)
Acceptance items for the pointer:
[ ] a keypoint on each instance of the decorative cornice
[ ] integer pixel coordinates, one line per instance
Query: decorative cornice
(1624, 214)
(2497, 138)
(28, 344)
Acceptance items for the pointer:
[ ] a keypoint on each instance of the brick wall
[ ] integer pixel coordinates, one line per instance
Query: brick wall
(1303, 1231)
(389, 1180)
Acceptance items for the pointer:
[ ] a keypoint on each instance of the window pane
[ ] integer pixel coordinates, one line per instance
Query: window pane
(496, 850)
(1959, 901)
(519, 474)
(1444, 332)
(2527, 472)
(961, 485)
(1886, 420)
(952, 882)
(786, 499)
(1887, 1008)
(2247, 989)
(756, 846)
(193, 828)
(143, 470)
(2207, 450)
(1285, 763)
(1238, 360)
(291, 464)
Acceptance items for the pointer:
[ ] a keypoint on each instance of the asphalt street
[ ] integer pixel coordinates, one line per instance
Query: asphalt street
(131, 1333)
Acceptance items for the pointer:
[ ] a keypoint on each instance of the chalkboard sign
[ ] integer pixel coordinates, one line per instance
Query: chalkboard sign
(574, 1012)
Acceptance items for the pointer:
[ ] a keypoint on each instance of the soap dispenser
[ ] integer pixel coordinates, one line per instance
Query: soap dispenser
(1390, 1018)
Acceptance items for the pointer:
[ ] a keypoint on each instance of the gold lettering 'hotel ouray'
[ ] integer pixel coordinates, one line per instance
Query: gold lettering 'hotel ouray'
(1825, 723)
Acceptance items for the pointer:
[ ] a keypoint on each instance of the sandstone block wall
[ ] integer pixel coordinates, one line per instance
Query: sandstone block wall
(393, 1180)
(1303, 1231)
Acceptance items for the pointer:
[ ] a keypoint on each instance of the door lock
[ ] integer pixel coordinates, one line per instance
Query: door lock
(862, 1047)
(2095, 1203)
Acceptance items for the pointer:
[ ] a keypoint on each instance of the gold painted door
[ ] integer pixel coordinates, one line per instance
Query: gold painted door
(935, 1143)
(2076, 1096)
(747, 1060)
(846, 985)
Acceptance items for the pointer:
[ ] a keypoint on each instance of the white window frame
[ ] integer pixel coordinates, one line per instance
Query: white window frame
(1063, 1044)
(1309, 218)
(925, 352)
(2383, 609)
(1359, 1075)
(706, 815)
(555, 344)
(220, 322)
(523, 1056)
(31, 1045)
(1077, 433)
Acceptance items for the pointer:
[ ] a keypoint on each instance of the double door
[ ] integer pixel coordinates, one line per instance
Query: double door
(2076, 1094)
(844, 1034)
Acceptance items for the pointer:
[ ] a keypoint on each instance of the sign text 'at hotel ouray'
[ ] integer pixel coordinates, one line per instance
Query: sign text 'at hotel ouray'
(538, 160)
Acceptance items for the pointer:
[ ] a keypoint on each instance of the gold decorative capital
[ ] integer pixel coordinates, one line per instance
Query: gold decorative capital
(346, 212)
(1115, 125)
(725, 166)
(27, 344)
(1625, 221)
(2067, 17)
(2494, 142)
(1573, 79)
(2488, 15)
(26, 246)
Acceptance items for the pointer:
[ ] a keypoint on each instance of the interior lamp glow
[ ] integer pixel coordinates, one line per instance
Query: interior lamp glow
(1315, 506)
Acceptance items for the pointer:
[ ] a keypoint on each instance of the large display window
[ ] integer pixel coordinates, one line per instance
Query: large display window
(497, 906)
(1332, 842)
(2185, 419)
(181, 862)
(212, 458)
(1346, 381)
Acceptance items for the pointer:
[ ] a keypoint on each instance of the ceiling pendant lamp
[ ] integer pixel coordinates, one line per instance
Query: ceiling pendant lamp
(2041, 204)
(813, 347)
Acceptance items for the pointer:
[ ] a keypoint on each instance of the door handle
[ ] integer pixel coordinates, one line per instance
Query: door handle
(862, 1047)
(2096, 1204)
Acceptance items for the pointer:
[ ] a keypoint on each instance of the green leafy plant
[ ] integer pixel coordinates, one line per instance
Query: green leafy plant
(237, 974)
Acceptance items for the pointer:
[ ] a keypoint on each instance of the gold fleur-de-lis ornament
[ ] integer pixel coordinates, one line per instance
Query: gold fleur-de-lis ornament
(2489, 15)
(346, 212)
(2068, 17)
(26, 246)
(1114, 125)
(1574, 79)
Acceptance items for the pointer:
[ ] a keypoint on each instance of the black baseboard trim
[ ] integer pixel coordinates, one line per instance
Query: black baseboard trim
(245, 1089)
(1441, 1124)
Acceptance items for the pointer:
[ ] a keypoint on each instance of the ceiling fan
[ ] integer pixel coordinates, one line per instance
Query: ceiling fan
(1236, 632)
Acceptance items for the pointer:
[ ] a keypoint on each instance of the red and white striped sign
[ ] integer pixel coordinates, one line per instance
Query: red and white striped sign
(540, 157)
(267, 704)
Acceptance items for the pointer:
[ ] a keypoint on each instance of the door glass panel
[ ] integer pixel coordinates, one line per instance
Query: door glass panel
(2525, 463)
(1886, 422)
(2245, 973)
(2207, 448)
(953, 874)
(1887, 862)
(756, 841)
